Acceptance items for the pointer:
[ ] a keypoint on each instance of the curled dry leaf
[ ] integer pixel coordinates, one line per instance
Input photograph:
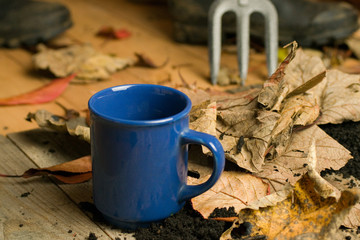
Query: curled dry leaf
(44, 94)
(145, 61)
(203, 119)
(76, 126)
(76, 171)
(321, 186)
(243, 130)
(273, 88)
(304, 214)
(352, 220)
(81, 59)
(293, 162)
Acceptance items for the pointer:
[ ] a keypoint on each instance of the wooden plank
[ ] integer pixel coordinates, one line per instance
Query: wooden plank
(36, 208)
(47, 148)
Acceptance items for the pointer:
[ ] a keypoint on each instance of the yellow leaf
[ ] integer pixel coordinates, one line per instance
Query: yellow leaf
(304, 214)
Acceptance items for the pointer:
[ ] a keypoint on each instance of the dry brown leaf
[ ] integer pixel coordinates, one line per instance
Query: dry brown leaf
(304, 214)
(321, 186)
(307, 85)
(227, 76)
(341, 183)
(341, 98)
(197, 96)
(81, 59)
(203, 119)
(273, 90)
(99, 67)
(301, 70)
(62, 62)
(144, 61)
(244, 131)
(76, 171)
(233, 189)
(296, 111)
(337, 95)
(75, 126)
(293, 162)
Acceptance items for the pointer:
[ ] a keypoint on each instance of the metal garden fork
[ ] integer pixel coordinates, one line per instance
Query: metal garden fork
(243, 9)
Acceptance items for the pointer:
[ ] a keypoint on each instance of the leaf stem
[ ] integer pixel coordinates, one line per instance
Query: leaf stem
(10, 176)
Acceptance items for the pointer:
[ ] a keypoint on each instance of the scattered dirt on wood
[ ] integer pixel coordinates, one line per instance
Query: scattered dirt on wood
(26, 194)
(92, 236)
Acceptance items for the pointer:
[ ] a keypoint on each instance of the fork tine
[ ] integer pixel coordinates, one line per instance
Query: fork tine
(242, 43)
(217, 9)
(271, 36)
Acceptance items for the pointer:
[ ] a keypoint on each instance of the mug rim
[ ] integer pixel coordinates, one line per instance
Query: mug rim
(153, 122)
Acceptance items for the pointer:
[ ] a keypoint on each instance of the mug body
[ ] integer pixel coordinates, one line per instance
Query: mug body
(139, 163)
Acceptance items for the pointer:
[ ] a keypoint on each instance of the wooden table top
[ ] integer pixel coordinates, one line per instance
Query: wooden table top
(40, 208)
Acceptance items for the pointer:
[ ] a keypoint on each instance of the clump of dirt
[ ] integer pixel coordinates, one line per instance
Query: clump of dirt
(25, 194)
(223, 213)
(186, 224)
(348, 135)
(92, 236)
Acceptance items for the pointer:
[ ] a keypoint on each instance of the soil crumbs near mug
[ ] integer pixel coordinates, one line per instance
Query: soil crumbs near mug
(188, 224)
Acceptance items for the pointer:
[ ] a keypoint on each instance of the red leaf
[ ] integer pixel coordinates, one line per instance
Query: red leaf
(122, 33)
(110, 32)
(43, 94)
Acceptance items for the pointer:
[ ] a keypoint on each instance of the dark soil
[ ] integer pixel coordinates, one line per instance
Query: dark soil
(348, 135)
(92, 236)
(187, 224)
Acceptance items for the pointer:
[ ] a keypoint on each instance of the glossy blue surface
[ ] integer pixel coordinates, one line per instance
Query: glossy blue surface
(139, 137)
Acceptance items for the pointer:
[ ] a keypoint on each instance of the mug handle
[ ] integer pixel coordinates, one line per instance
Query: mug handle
(190, 136)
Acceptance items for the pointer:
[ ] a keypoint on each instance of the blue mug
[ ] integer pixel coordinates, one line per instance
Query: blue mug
(139, 147)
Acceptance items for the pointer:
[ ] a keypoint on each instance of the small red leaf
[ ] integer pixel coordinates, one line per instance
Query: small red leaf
(122, 33)
(111, 33)
(43, 94)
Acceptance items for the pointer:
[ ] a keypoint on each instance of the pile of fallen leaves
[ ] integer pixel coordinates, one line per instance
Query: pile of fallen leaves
(275, 152)
(271, 135)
